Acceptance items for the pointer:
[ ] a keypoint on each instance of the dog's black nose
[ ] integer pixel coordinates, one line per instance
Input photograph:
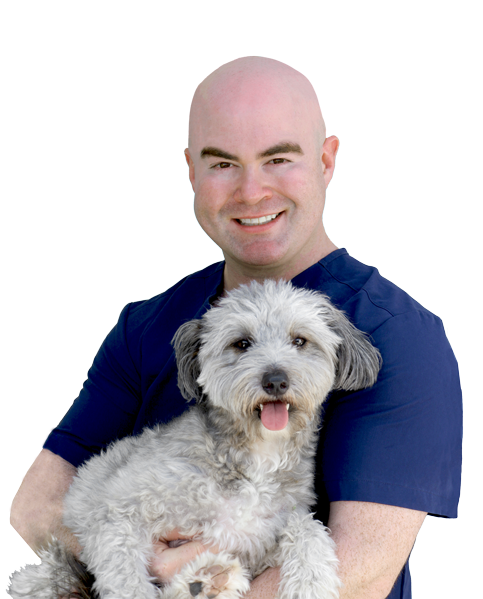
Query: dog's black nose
(275, 383)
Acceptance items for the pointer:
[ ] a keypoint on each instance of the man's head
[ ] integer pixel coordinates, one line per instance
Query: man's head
(264, 66)
(257, 148)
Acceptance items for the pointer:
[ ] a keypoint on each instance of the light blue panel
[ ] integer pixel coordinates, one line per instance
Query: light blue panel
(159, 239)
(431, 595)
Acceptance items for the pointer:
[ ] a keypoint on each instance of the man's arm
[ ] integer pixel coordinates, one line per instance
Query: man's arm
(373, 544)
(373, 540)
(36, 512)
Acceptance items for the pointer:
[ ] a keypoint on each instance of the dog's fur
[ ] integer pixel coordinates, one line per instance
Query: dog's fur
(216, 472)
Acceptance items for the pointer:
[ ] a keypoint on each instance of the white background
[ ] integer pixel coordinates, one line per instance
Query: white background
(97, 207)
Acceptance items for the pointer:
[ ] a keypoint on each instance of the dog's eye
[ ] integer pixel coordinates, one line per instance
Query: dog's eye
(242, 344)
(299, 341)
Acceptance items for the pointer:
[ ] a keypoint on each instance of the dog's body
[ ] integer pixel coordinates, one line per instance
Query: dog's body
(236, 470)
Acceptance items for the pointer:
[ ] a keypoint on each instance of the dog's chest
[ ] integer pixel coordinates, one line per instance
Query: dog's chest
(251, 514)
(243, 519)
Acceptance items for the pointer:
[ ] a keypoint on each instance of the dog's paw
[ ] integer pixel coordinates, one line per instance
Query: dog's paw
(212, 577)
(210, 582)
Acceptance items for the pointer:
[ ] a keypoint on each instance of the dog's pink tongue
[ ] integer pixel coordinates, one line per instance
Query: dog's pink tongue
(274, 416)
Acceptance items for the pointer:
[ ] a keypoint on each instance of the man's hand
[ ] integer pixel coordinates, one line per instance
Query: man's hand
(373, 541)
(174, 551)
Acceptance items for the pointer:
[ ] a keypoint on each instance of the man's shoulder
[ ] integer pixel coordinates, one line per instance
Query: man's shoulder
(367, 297)
(182, 301)
(190, 288)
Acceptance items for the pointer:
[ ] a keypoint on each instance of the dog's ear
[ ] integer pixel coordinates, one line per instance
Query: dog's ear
(359, 361)
(186, 342)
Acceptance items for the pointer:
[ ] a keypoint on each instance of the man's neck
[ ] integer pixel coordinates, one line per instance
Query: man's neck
(236, 274)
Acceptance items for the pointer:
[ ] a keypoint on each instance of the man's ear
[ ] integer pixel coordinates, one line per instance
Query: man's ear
(191, 166)
(329, 152)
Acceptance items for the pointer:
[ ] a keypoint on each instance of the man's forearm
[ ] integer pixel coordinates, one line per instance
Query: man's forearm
(265, 586)
(373, 544)
(37, 509)
(361, 581)
(373, 541)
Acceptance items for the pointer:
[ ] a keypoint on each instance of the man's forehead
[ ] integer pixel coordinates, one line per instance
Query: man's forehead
(253, 129)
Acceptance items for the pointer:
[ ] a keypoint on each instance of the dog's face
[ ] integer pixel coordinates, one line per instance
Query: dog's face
(269, 354)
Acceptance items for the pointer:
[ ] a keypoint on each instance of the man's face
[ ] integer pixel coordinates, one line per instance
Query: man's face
(252, 158)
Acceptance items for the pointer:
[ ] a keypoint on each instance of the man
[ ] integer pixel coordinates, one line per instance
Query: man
(260, 163)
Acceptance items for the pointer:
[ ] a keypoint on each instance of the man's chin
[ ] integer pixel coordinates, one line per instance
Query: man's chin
(265, 256)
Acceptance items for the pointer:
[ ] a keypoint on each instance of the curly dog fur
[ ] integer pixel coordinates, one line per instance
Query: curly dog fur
(236, 470)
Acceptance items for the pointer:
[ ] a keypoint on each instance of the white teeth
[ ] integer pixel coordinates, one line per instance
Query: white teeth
(258, 221)
(286, 405)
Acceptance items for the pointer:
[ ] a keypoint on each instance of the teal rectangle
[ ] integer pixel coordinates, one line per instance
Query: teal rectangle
(431, 595)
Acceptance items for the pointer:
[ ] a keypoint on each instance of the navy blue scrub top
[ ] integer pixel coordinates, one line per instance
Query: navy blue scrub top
(397, 443)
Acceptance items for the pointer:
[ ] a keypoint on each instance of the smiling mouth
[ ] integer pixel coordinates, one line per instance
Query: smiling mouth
(251, 222)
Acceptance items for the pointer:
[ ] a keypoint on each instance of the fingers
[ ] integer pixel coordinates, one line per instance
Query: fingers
(169, 560)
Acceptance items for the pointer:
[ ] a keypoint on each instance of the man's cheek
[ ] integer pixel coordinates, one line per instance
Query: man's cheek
(208, 210)
(301, 182)
(211, 196)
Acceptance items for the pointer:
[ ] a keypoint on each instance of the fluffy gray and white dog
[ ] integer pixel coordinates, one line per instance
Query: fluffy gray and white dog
(236, 470)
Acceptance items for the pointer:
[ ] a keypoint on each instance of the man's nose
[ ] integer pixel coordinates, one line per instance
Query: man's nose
(251, 188)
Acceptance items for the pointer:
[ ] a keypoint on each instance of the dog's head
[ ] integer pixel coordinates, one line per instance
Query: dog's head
(271, 353)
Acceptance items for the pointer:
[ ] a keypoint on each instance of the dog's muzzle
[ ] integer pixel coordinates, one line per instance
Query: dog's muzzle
(274, 411)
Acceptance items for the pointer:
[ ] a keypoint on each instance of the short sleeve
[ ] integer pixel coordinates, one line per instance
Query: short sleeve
(107, 404)
(398, 443)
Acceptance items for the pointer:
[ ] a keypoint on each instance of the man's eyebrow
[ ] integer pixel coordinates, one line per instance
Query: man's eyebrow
(285, 147)
(210, 151)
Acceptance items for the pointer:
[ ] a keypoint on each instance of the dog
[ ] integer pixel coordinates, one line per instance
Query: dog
(236, 470)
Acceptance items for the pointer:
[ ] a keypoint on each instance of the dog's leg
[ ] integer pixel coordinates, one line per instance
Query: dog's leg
(208, 576)
(118, 556)
(56, 576)
(308, 560)
(33, 582)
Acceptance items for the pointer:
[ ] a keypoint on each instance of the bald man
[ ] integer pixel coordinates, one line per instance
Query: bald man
(257, 148)
(260, 163)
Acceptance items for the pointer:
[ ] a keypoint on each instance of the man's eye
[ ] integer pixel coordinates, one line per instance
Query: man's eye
(242, 344)
(278, 160)
(223, 165)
